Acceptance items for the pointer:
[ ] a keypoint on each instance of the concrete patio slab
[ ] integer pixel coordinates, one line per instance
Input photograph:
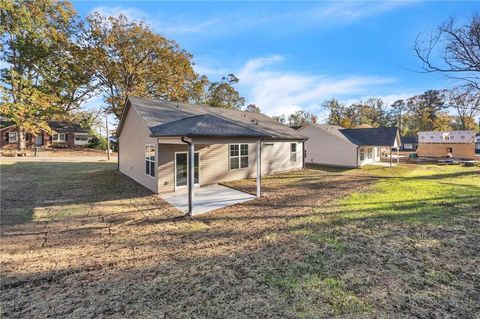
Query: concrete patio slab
(207, 198)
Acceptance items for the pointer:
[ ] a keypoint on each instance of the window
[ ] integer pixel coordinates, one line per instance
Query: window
(370, 153)
(408, 146)
(238, 156)
(81, 138)
(58, 138)
(150, 160)
(12, 137)
(362, 154)
(293, 152)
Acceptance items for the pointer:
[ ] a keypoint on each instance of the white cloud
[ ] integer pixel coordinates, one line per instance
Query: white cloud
(282, 92)
(330, 14)
(130, 13)
(179, 24)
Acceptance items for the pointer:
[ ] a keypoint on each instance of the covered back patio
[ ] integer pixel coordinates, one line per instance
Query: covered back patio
(199, 164)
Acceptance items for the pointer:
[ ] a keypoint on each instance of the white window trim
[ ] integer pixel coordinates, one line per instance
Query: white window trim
(239, 157)
(291, 153)
(362, 150)
(175, 170)
(59, 140)
(149, 160)
(10, 137)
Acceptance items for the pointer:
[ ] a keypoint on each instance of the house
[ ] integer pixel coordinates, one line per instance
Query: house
(160, 142)
(68, 134)
(409, 143)
(337, 146)
(65, 134)
(456, 144)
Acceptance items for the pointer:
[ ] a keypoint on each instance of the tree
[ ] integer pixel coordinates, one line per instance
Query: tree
(396, 115)
(36, 38)
(280, 118)
(129, 59)
(425, 108)
(458, 48)
(340, 114)
(252, 108)
(222, 94)
(467, 104)
(371, 112)
(301, 117)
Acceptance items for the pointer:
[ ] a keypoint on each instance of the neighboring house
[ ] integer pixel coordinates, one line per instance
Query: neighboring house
(65, 134)
(159, 140)
(68, 134)
(337, 146)
(456, 144)
(409, 143)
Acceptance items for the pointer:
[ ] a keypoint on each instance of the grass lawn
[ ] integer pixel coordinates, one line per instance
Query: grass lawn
(79, 240)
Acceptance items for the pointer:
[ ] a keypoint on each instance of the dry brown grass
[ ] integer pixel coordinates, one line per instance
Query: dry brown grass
(82, 241)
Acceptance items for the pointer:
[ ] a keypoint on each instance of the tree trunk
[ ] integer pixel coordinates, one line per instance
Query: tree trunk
(22, 145)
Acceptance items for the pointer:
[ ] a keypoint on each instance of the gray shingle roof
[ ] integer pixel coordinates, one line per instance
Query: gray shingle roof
(62, 127)
(203, 125)
(181, 119)
(378, 136)
(409, 139)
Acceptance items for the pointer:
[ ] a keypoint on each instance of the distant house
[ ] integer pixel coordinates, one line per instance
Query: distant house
(65, 134)
(409, 143)
(170, 146)
(68, 134)
(456, 144)
(337, 146)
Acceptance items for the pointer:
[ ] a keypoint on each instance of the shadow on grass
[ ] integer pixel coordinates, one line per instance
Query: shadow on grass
(30, 185)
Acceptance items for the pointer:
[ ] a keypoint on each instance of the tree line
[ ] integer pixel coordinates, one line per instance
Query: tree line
(452, 49)
(423, 112)
(53, 61)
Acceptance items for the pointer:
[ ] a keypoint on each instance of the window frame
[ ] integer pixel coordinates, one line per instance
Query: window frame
(239, 156)
(57, 140)
(148, 160)
(293, 154)
(362, 154)
(10, 137)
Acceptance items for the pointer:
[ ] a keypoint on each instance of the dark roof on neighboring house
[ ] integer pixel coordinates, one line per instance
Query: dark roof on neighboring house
(66, 127)
(378, 136)
(170, 119)
(4, 123)
(409, 139)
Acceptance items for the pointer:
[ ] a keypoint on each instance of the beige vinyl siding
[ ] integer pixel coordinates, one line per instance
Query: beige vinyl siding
(326, 149)
(132, 141)
(214, 162)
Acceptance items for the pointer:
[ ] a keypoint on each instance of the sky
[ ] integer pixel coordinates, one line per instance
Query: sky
(292, 55)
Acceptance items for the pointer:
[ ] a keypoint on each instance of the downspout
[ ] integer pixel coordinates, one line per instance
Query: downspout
(357, 158)
(304, 153)
(190, 187)
(118, 153)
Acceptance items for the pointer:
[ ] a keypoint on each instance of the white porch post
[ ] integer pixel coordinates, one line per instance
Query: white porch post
(191, 178)
(259, 168)
(390, 156)
(398, 156)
